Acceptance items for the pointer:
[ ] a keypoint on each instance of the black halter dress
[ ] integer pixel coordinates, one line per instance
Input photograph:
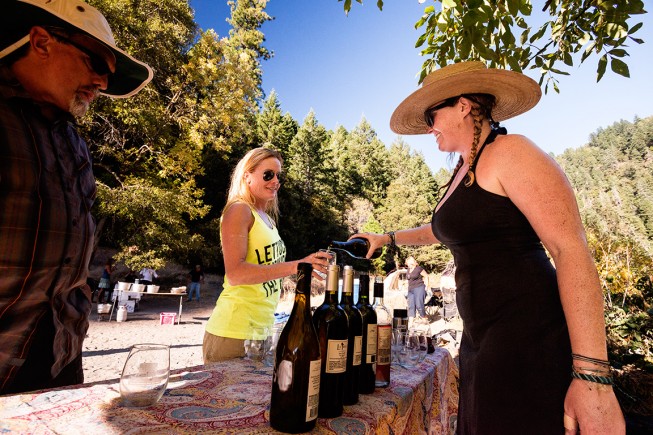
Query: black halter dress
(515, 355)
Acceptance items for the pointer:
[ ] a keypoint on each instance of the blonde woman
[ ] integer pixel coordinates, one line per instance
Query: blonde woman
(533, 357)
(254, 257)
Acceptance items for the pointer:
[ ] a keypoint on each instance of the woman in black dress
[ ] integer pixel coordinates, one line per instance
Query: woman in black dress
(533, 333)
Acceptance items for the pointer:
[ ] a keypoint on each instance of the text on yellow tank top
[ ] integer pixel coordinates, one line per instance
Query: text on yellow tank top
(242, 307)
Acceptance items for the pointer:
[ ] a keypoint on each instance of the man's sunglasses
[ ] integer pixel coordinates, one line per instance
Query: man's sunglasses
(269, 174)
(429, 113)
(96, 62)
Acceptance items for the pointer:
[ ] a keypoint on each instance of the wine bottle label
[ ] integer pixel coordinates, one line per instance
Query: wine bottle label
(371, 344)
(358, 350)
(336, 359)
(284, 375)
(385, 343)
(313, 399)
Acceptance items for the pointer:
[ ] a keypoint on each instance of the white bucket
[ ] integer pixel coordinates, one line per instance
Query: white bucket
(152, 288)
(121, 316)
(138, 287)
(103, 308)
(124, 286)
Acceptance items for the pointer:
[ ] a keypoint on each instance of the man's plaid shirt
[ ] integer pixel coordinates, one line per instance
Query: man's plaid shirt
(46, 229)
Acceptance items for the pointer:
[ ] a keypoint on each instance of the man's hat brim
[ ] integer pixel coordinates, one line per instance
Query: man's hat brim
(20, 16)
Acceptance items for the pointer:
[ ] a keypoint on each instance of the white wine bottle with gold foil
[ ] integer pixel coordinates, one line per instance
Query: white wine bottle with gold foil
(296, 378)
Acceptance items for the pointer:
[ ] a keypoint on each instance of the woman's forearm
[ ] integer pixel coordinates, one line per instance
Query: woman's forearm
(582, 302)
(416, 236)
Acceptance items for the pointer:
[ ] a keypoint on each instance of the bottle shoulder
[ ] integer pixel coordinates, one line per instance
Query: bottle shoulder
(351, 310)
(328, 312)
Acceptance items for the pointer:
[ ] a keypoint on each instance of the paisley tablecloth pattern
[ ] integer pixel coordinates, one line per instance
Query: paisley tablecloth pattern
(233, 398)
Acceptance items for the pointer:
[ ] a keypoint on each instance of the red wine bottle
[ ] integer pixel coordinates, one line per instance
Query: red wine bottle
(332, 327)
(357, 248)
(367, 376)
(296, 377)
(384, 336)
(355, 339)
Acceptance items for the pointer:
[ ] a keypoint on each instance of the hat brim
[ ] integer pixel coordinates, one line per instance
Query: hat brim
(515, 94)
(131, 75)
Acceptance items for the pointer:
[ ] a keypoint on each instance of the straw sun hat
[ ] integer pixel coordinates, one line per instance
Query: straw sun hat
(515, 93)
(19, 16)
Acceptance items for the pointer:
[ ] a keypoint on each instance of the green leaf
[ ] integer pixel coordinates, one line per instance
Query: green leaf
(635, 28)
(513, 6)
(379, 4)
(347, 6)
(568, 59)
(464, 47)
(420, 40)
(619, 66)
(448, 4)
(514, 64)
(603, 64)
(525, 7)
(538, 35)
(618, 52)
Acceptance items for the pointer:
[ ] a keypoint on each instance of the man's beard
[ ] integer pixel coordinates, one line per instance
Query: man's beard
(79, 106)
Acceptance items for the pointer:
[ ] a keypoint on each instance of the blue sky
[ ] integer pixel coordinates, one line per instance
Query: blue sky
(364, 64)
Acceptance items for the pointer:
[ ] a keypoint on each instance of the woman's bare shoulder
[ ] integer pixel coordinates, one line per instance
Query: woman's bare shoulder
(237, 212)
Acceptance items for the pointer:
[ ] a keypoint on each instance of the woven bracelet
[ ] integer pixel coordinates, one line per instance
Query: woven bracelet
(600, 362)
(605, 380)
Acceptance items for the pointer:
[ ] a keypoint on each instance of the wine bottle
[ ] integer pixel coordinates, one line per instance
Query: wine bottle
(367, 375)
(332, 327)
(355, 339)
(296, 376)
(384, 336)
(357, 248)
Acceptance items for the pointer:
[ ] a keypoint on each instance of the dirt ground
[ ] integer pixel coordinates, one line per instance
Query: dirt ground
(108, 342)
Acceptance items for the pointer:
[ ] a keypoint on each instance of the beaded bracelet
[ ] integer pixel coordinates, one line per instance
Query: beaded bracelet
(586, 369)
(605, 380)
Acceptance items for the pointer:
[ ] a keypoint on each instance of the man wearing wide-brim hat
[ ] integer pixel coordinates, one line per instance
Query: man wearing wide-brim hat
(56, 57)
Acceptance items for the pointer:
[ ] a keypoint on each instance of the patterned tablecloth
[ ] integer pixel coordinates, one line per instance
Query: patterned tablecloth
(234, 397)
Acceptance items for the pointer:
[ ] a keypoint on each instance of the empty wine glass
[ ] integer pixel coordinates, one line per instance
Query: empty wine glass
(422, 339)
(145, 375)
(255, 343)
(408, 352)
(270, 346)
(397, 344)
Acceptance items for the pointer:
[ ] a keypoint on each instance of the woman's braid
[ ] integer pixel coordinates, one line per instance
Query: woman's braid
(478, 124)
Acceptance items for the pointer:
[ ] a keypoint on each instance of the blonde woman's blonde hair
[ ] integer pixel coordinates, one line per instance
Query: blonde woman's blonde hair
(239, 189)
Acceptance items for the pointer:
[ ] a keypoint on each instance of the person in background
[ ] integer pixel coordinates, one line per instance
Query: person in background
(196, 277)
(104, 287)
(147, 275)
(533, 357)
(254, 257)
(417, 279)
(131, 276)
(56, 57)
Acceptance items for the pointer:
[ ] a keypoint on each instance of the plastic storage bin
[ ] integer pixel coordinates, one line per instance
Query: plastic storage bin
(168, 318)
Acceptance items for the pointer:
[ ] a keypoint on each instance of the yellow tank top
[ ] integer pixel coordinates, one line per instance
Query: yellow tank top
(241, 307)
